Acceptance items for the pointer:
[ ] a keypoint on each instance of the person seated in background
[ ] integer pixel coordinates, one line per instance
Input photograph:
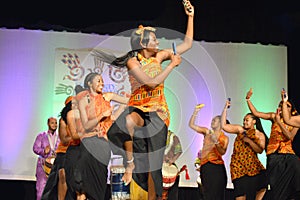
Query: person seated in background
(172, 152)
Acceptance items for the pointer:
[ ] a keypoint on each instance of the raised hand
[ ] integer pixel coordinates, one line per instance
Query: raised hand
(199, 106)
(284, 95)
(227, 104)
(188, 7)
(249, 94)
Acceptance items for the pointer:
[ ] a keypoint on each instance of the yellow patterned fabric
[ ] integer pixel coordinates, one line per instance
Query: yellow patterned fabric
(173, 140)
(244, 160)
(209, 150)
(145, 98)
(278, 142)
(136, 192)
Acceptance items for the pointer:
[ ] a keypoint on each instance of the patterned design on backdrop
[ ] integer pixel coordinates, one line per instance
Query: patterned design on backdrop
(76, 71)
(64, 89)
(122, 92)
(99, 65)
(118, 75)
(71, 67)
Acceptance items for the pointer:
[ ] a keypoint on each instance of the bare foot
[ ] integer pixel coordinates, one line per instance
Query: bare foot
(127, 177)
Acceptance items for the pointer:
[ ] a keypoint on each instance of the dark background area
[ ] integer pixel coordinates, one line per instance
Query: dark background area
(258, 21)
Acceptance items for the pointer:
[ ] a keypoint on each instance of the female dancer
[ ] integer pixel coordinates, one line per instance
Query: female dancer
(96, 116)
(142, 128)
(247, 172)
(56, 186)
(291, 118)
(282, 163)
(212, 171)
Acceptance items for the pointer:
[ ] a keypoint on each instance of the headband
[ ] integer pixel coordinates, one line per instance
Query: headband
(68, 99)
(141, 29)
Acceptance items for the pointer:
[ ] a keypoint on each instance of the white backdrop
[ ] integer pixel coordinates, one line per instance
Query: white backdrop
(35, 80)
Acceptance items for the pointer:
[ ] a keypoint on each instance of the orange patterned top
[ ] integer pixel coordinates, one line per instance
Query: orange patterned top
(244, 160)
(278, 142)
(209, 150)
(96, 106)
(61, 147)
(145, 98)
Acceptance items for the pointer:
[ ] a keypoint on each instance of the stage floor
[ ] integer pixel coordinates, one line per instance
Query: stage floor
(25, 190)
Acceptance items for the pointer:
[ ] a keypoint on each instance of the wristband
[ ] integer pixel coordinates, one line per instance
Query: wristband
(130, 161)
